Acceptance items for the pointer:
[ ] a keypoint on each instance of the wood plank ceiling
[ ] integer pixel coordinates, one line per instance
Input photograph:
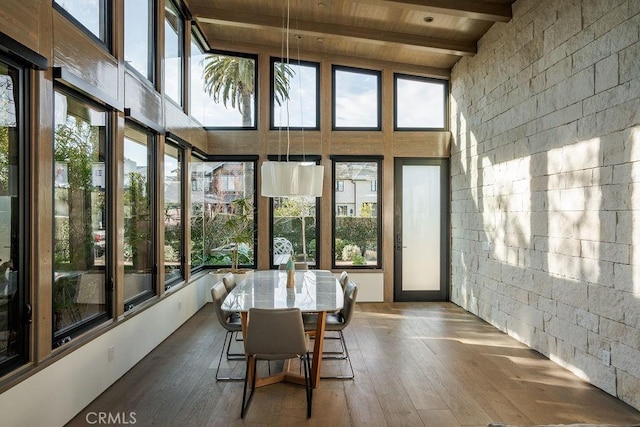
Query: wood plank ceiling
(425, 34)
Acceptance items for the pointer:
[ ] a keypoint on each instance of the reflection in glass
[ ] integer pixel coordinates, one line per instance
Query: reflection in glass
(80, 226)
(11, 238)
(356, 97)
(216, 188)
(223, 89)
(173, 52)
(295, 96)
(172, 213)
(420, 103)
(138, 36)
(138, 242)
(90, 13)
(356, 214)
(294, 230)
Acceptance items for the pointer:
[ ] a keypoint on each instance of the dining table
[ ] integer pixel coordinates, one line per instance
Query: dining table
(313, 291)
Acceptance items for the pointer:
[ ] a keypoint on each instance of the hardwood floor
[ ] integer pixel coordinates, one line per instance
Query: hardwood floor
(416, 364)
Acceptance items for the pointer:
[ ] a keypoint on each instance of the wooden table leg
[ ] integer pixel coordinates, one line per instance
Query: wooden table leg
(317, 348)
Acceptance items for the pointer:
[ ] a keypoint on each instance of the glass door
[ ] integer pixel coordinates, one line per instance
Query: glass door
(421, 230)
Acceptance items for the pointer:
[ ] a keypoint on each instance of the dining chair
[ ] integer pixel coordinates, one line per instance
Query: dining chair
(275, 334)
(344, 279)
(337, 322)
(230, 323)
(229, 281)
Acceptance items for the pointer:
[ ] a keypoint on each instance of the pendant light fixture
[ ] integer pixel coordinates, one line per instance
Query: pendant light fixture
(285, 178)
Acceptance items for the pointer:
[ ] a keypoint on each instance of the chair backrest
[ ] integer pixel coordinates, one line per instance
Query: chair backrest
(229, 281)
(350, 294)
(344, 279)
(218, 294)
(275, 332)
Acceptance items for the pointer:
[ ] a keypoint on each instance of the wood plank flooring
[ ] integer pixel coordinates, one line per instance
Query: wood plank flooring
(416, 364)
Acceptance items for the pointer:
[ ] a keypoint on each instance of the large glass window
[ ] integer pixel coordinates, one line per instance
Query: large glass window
(356, 99)
(173, 199)
(295, 88)
(13, 217)
(93, 15)
(356, 222)
(173, 52)
(139, 36)
(139, 258)
(420, 103)
(223, 216)
(223, 89)
(81, 228)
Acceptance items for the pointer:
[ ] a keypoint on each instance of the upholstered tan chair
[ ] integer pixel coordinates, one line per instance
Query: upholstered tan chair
(231, 323)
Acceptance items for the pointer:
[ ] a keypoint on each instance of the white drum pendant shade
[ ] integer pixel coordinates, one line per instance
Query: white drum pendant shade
(287, 179)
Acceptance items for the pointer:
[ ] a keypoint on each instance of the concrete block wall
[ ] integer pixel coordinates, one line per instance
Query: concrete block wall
(545, 180)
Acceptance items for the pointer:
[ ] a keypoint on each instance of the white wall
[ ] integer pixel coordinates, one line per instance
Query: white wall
(545, 174)
(57, 393)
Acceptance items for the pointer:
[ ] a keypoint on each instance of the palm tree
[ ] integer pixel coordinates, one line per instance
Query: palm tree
(232, 78)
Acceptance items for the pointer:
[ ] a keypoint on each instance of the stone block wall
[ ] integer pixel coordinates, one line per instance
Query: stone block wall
(545, 180)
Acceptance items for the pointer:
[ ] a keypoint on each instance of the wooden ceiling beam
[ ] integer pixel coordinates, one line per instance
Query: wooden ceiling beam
(474, 9)
(211, 15)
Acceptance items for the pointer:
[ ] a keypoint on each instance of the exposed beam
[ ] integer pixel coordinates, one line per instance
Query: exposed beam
(211, 15)
(475, 9)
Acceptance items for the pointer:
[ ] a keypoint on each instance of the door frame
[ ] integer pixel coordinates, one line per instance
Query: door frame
(445, 255)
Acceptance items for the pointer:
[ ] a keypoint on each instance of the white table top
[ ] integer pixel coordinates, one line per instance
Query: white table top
(315, 290)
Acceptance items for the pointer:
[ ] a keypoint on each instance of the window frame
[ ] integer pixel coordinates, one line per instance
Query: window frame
(378, 74)
(181, 146)
(22, 303)
(152, 33)
(317, 159)
(272, 100)
(152, 143)
(445, 103)
(72, 332)
(256, 93)
(182, 50)
(379, 238)
(106, 9)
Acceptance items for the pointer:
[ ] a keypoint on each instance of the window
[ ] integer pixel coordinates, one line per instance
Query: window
(356, 223)
(223, 89)
(139, 37)
(91, 15)
(374, 186)
(226, 185)
(173, 52)
(295, 229)
(13, 215)
(356, 99)
(81, 229)
(295, 100)
(139, 259)
(173, 228)
(340, 185)
(420, 103)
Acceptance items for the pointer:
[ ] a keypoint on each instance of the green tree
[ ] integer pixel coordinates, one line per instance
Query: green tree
(295, 207)
(232, 79)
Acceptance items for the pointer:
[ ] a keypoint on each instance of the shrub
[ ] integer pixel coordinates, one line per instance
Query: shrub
(340, 244)
(349, 252)
(359, 260)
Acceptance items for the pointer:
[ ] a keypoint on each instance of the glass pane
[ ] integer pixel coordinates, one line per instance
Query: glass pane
(138, 242)
(198, 256)
(356, 101)
(229, 217)
(421, 228)
(138, 36)
(294, 230)
(295, 98)
(173, 53)
(80, 227)
(11, 334)
(172, 213)
(90, 13)
(356, 210)
(420, 103)
(223, 90)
